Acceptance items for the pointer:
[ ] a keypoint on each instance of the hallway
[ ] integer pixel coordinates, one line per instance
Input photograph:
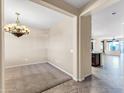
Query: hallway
(112, 71)
(108, 79)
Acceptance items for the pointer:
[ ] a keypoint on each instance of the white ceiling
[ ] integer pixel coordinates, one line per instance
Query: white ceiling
(77, 3)
(32, 14)
(104, 24)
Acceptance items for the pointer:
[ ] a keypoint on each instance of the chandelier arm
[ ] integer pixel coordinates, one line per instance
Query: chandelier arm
(17, 19)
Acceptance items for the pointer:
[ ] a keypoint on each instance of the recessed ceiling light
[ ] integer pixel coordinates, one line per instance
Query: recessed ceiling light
(114, 13)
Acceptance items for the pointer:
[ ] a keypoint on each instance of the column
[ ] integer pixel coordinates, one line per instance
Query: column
(84, 47)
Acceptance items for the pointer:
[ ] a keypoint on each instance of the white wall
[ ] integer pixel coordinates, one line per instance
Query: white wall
(27, 49)
(97, 45)
(61, 45)
(55, 45)
(104, 24)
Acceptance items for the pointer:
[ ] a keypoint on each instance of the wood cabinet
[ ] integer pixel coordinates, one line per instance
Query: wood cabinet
(96, 59)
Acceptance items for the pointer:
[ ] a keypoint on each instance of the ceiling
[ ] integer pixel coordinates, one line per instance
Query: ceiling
(77, 3)
(104, 24)
(32, 15)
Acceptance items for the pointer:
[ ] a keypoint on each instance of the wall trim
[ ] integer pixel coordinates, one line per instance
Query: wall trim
(88, 75)
(60, 69)
(81, 79)
(74, 78)
(38, 62)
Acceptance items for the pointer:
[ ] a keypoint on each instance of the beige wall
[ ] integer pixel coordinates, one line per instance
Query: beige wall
(85, 47)
(1, 49)
(26, 49)
(61, 45)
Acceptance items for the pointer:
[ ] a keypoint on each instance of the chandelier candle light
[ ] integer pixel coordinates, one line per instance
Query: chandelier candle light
(17, 29)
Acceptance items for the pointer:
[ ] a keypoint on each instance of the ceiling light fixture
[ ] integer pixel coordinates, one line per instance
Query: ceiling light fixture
(114, 13)
(17, 29)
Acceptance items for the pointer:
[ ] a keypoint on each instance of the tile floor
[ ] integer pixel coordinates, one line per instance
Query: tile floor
(107, 79)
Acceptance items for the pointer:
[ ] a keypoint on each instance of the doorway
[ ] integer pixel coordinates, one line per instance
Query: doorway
(107, 31)
(29, 58)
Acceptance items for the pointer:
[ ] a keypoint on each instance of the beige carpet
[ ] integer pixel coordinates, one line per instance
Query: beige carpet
(33, 78)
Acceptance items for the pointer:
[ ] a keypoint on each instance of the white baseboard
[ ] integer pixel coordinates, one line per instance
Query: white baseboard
(39, 62)
(88, 75)
(75, 79)
(81, 79)
(61, 69)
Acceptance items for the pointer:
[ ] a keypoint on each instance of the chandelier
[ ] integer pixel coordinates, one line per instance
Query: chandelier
(17, 29)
